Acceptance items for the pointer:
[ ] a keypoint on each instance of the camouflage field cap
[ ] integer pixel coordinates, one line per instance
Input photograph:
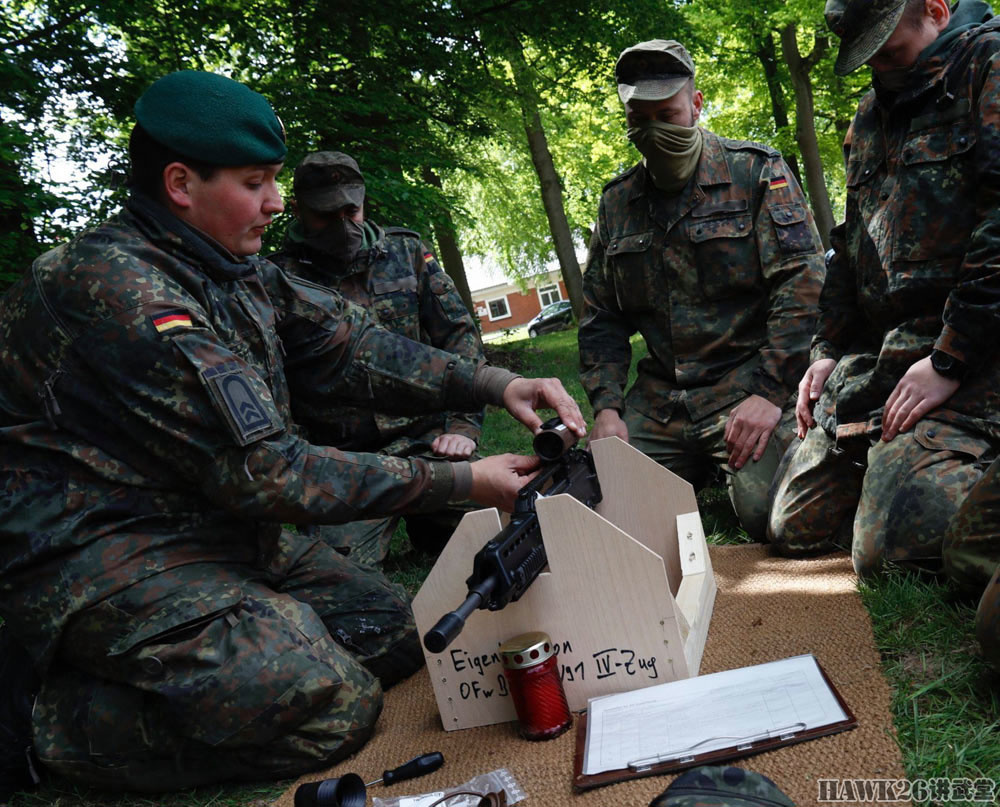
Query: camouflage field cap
(652, 71)
(211, 118)
(863, 27)
(328, 180)
(716, 786)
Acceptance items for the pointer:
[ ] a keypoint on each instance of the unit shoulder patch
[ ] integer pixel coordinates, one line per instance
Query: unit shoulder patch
(236, 399)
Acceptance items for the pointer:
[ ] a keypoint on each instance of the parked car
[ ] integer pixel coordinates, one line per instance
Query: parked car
(553, 317)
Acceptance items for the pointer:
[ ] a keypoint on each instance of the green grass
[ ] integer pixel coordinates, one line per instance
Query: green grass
(946, 702)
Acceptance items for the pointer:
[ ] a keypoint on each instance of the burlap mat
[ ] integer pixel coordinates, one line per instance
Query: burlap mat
(767, 608)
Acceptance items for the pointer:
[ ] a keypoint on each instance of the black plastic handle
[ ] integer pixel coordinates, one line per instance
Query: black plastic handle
(424, 764)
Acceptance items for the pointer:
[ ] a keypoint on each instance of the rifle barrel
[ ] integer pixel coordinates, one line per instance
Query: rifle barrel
(450, 625)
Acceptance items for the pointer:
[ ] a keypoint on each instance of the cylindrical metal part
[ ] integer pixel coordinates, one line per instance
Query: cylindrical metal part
(346, 791)
(554, 440)
(532, 672)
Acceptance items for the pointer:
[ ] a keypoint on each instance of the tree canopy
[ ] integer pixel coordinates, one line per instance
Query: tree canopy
(489, 125)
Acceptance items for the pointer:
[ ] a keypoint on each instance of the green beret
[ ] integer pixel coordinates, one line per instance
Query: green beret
(211, 118)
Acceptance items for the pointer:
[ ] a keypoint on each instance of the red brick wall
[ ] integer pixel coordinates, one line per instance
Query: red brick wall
(522, 308)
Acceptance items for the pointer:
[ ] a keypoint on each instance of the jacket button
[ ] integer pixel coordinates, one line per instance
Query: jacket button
(697, 231)
(741, 226)
(868, 171)
(885, 195)
(963, 140)
(152, 666)
(932, 433)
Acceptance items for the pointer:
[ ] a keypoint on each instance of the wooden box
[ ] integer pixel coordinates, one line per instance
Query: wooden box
(627, 597)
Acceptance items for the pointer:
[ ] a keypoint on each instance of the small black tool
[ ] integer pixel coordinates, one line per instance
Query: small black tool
(349, 791)
(418, 766)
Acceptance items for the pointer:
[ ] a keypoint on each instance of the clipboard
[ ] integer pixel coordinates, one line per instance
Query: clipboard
(747, 747)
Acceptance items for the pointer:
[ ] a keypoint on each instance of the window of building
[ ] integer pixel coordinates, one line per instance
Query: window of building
(548, 294)
(498, 308)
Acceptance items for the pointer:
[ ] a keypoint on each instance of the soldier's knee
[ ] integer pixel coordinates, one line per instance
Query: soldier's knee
(795, 535)
(332, 733)
(399, 661)
(868, 561)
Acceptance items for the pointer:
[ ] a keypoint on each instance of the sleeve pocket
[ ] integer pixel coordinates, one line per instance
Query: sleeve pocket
(791, 224)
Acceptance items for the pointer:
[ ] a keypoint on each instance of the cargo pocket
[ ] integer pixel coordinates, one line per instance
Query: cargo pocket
(173, 655)
(725, 255)
(936, 161)
(220, 662)
(938, 436)
(630, 258)
(791, 225)
(397, 304)
(447, 296)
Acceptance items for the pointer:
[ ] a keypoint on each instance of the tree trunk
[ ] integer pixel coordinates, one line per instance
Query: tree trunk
(548, 179)
(842, 122)
(447, 241)
(805, 127)
(768, 55)
(18, 242)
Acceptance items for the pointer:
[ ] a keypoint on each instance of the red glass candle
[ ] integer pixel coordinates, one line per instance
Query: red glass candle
(533, 678)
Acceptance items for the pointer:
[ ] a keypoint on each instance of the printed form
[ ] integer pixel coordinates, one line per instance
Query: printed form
(707, 713)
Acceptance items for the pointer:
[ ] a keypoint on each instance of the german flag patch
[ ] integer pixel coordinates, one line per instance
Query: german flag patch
(171, 319)
(777, 183)
(428, 256)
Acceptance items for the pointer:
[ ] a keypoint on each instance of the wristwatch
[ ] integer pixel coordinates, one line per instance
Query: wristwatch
(948, 366)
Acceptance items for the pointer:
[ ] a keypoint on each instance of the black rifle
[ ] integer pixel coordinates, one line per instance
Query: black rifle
(504, 568)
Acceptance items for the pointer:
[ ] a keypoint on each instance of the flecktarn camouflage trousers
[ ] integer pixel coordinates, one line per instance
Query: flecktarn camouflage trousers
(212, 671)
(882, 501)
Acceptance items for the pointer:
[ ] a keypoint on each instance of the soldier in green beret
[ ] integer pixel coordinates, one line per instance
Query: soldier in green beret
(708, 249)
(391, 273)
(898, 411)
(148, 370)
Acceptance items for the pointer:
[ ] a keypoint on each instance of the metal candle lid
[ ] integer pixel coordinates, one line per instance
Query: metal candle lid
(526, 650)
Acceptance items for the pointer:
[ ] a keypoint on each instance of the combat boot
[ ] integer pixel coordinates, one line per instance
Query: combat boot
(18, 687)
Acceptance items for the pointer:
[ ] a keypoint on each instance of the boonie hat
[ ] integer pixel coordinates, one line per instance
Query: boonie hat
(328, 180)
(212, 119)
(863, 27)
(653, 70)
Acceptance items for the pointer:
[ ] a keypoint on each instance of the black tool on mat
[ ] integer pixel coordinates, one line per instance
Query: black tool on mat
(418, 766)
(350, 791)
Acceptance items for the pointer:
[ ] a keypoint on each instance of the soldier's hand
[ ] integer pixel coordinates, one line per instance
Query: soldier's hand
(810, 388)
(920, 390)
(609, 423)
(748, 429)
(497, 479)
(453, 446)
(524, 395)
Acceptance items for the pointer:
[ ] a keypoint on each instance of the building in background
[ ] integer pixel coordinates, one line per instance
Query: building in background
(505, 306)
